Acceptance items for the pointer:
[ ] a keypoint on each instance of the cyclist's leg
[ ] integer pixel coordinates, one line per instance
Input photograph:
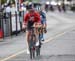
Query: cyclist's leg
(42, 34)
(44, 26)
(27, 37)
(27, 42)
(41, 37)
(37, 36)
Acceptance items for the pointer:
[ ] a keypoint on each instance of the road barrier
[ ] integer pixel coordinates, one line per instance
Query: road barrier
(1, 25)
(11, 24)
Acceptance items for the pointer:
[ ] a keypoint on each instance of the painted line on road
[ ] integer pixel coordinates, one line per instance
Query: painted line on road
(14, 55)
(56, 36)
(47, 40)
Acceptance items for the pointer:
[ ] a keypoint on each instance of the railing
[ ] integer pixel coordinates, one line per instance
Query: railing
(11, 23)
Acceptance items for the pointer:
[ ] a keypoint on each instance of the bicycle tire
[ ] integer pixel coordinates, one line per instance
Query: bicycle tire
(34, 54)
(30, 53)
(32, 47)
(37, 51)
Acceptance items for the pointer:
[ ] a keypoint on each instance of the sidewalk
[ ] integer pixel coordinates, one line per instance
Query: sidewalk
(59, 49)
(11, 38)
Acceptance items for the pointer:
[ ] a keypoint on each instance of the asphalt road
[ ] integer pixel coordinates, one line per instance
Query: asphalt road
(58, 24)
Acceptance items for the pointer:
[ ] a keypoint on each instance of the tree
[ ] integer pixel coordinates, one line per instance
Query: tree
(30, 0)
(12, 1)
(3, 1)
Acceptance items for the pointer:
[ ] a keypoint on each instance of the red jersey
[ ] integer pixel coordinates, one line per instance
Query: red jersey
(36, 16)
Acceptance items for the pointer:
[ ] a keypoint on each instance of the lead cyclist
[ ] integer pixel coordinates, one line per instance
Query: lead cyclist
(31, 18)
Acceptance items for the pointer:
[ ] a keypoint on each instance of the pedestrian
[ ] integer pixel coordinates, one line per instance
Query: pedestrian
(7, 11)
(63, 7)
(59, 8)
(46, 7)
(14, 17)
(51, 8)
(22, 9)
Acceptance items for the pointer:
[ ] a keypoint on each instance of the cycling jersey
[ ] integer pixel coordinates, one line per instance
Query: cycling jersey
(43, 17)
(27, 19)
(29, 15)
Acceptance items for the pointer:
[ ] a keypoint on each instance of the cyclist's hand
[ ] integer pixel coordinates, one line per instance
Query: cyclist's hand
(25, 25)
(37, 25)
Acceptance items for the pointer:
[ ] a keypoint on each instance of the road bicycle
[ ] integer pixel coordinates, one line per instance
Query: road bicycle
(34, 50)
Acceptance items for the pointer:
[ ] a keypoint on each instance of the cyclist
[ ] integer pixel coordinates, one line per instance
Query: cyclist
(31, 18)
(43, 22)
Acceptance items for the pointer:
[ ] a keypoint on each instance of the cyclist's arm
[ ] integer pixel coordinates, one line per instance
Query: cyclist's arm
(26, 17)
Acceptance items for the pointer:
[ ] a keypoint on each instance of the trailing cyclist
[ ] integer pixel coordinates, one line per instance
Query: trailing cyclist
(44, 24)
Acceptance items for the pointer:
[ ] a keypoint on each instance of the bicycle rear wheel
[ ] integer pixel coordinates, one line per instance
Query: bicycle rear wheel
(31, 53)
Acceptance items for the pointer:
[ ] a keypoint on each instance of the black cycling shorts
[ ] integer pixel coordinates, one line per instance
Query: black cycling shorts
(30, 25)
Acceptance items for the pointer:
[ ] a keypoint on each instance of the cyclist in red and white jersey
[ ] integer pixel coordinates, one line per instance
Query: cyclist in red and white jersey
(31, 18)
